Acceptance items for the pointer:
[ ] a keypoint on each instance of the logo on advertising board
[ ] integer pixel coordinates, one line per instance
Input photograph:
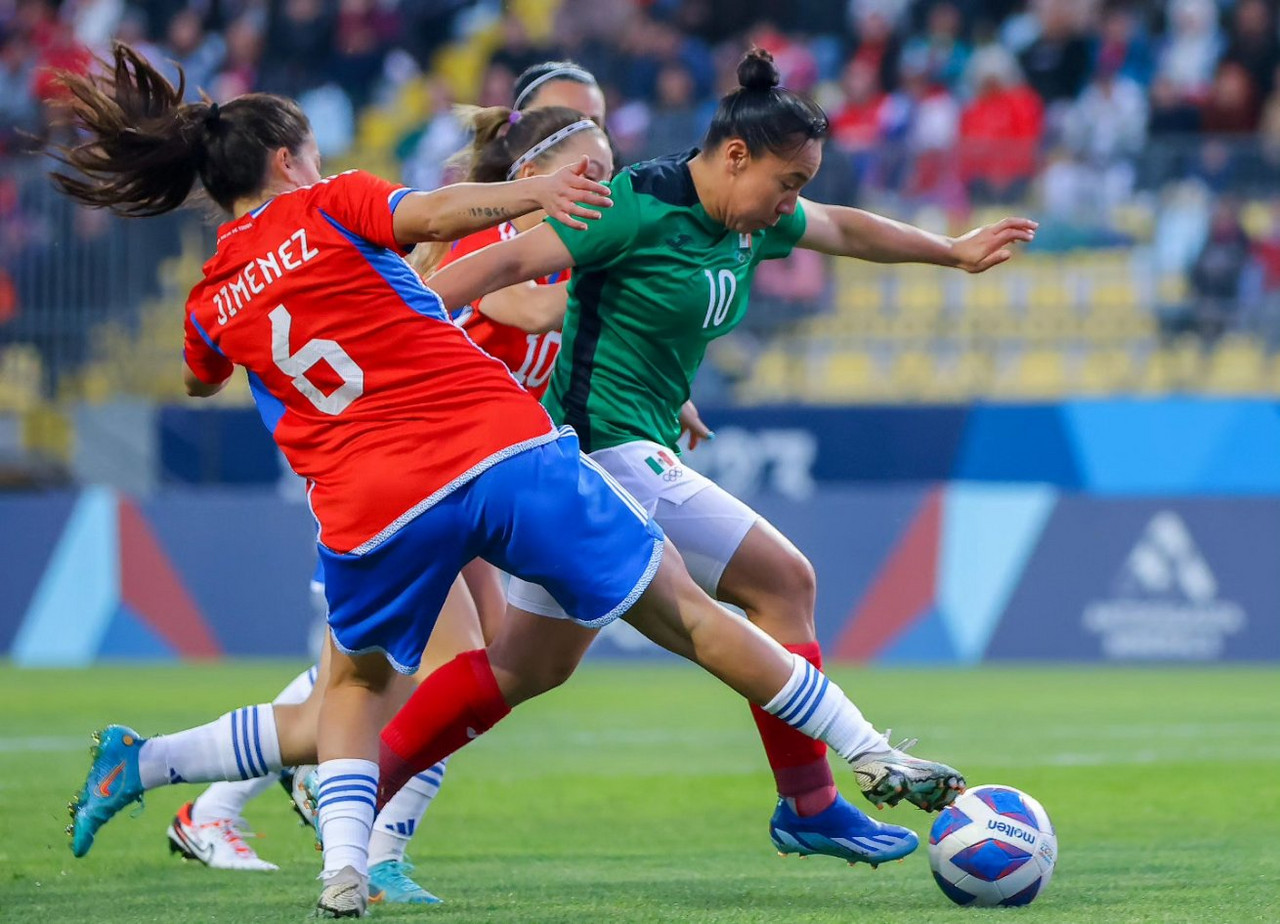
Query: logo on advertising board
(1166, 602)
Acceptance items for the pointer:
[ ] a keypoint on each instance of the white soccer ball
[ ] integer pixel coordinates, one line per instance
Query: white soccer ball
(993, 846)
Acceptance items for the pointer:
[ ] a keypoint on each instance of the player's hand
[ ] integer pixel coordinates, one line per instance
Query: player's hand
(988, 246)
(567, 194)
(692, 424)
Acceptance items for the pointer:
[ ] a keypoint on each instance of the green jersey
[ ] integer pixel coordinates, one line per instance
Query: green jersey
(654, 281)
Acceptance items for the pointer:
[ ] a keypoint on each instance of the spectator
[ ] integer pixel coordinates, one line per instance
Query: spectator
(923, 117)
(877, 46)
(1000, 129)
(1232, 107)
(517, 53)
(940, 50)
(1253, 44)
(1123, 46)
(241, 65)
(1108, 123)
(1215, 278)
(677, 120)
(19, 111)
(363, 35)
(299, 47)
(187, 46)
(1191, 48)
(856, 125)
(424, 154)
(1057, 63)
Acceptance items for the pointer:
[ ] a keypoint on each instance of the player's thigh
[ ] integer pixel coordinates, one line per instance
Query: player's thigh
(532, 654)
(566, 526)
(773, 582)
(706, 522)
(456, 630)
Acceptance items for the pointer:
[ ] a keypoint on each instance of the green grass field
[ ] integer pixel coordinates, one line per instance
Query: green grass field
(639, 794)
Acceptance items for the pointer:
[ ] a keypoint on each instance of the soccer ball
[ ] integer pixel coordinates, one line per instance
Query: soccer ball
(993, 846)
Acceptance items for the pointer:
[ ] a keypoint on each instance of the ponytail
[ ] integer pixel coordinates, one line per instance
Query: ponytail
(144, 148)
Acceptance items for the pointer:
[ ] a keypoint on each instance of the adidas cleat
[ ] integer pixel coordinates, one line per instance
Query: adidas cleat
(345, 895)
(887, 775)
(389, 882)
(840, 831)
(112, 784)
(217, 844)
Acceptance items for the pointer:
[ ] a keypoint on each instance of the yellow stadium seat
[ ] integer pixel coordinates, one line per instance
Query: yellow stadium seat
(1237, 366)
(1105, 372)
(847, 375)
(1036, 373)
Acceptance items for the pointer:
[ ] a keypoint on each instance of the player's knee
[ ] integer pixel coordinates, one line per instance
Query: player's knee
(797, 581)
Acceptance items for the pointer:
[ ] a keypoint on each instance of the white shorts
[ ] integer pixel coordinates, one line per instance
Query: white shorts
(705, 522)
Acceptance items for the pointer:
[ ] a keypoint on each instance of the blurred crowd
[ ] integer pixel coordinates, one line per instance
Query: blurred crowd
(1087, 106)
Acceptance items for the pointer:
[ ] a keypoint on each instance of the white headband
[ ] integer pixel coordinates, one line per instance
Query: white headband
(569, 70)
(547, 143)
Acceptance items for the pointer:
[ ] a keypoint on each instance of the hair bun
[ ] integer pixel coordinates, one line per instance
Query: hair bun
(757, 71)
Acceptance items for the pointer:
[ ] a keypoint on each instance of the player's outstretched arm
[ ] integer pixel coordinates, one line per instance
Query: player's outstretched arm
(533, 308)
(198, 387)
(453, 212)
(848, 232)
(537, 252)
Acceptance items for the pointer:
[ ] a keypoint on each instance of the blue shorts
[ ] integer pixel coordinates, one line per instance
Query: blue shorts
(546, 515)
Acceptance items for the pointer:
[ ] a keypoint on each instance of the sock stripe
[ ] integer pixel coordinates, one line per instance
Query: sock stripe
(254, 769)
(817, 700)
(801, 696)
(357, 777)
(311, 674)
(800, 700)
(329, 803)
(362, 790)
(257, 742)
(235, 744)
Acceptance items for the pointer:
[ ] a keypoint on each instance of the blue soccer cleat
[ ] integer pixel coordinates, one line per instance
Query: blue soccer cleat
(389, 882)
(840, 831)
(113, 783)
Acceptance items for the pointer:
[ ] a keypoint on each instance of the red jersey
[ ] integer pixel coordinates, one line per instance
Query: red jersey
(530, 357)
(373, 395)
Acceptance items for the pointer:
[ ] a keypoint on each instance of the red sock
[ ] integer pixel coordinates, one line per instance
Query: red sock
(799, 762)
(456, 703)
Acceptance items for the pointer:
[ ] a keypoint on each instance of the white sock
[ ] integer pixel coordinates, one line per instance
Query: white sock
(237, 746)
(228, 799)
(299, 688)
(347, 790)
(810, 703)
(400, 817)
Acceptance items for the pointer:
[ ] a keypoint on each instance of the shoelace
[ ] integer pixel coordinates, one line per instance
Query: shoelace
(227, 828)
(904, 745)
(398, 874)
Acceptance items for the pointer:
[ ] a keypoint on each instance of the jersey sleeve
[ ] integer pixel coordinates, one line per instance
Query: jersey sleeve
(203, 358)
(608, 237)
(782, 238)
(363, 204)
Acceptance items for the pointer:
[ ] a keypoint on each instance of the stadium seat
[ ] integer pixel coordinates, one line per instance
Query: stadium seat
(1237, 366)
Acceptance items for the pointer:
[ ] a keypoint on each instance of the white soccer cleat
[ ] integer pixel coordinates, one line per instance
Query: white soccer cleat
(887, 775)
(345, 895)
(217, 844)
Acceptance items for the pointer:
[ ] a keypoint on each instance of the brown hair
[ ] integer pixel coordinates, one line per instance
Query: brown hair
(497, 142)
(144, 148)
